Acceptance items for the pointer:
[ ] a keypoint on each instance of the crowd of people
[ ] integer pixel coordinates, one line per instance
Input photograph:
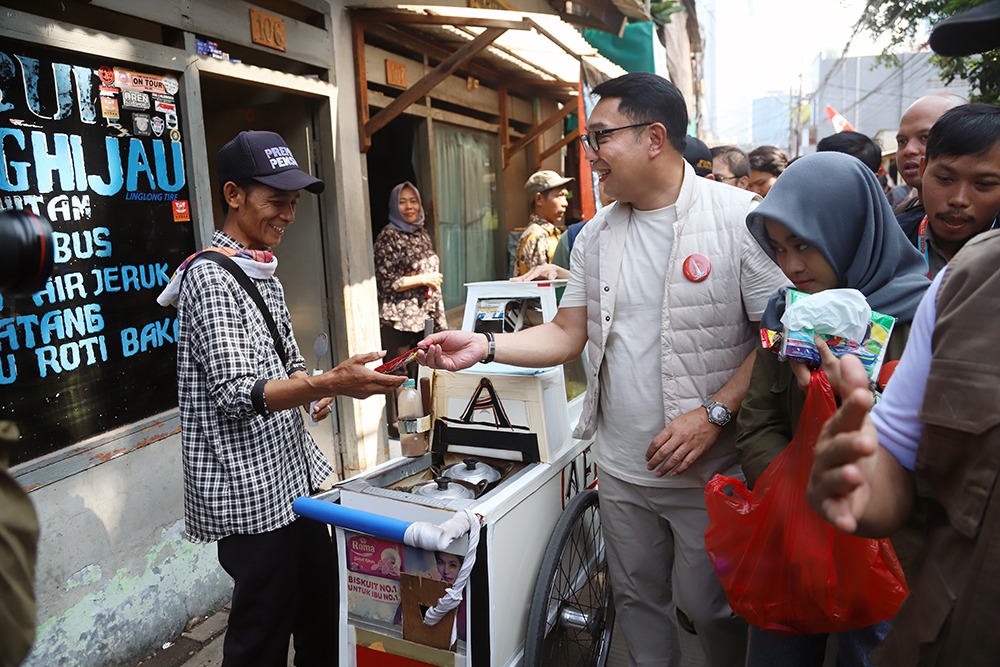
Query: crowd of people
(692, 252)
(667, 289)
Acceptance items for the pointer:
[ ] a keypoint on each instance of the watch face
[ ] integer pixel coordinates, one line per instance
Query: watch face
(718, 414)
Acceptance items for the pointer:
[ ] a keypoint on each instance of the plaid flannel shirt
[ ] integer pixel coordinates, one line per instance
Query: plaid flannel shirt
(242, 469)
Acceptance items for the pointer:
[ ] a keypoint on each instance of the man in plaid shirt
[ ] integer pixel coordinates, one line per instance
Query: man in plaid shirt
(246, 452)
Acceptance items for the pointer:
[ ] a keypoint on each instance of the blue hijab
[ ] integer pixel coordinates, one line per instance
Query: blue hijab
(395, 219)
(833, 202)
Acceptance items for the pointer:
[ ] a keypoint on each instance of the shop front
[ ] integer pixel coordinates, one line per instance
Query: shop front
(111, 114)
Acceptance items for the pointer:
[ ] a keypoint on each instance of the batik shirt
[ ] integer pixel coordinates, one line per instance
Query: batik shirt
(243, 468)
(398, 255)
(538, 244)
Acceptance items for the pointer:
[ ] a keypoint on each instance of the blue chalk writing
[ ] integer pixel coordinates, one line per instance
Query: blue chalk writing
(152, 335)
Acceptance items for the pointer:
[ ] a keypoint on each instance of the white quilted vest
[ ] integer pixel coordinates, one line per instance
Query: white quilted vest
(706, 332)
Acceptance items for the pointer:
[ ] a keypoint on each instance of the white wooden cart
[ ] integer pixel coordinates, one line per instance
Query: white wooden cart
(539, 593)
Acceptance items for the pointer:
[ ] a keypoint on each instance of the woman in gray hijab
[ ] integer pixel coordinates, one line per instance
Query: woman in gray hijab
(827, 224)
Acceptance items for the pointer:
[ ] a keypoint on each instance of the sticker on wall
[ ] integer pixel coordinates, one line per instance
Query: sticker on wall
(156, 125)
(109, 108)
(182, 211)
(106, 74)
(140, 124)
(135, 99)
(165, 107)
(109, 91)
(171, 119)
(697, 267)
(175, 135)
(170, 84)
(150, 83)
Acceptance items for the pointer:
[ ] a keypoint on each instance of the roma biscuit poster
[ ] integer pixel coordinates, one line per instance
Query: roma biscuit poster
(373, 567)
(84, 143)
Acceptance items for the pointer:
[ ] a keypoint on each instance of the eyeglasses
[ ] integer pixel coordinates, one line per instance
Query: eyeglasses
(591, 140)
(725, 179)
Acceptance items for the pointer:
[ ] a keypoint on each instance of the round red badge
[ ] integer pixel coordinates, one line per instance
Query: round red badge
(697, 267)
(106, 74)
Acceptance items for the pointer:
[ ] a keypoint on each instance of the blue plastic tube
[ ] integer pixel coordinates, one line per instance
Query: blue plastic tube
(350, 518)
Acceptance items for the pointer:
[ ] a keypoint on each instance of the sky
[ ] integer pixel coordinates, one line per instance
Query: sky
(762, 46)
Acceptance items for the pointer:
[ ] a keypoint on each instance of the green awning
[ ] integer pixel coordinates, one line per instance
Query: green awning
(632, 52)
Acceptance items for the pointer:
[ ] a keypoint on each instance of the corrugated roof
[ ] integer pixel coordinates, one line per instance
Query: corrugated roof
(542, 46)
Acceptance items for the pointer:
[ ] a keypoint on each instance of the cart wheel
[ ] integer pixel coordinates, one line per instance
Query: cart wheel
(572, 613)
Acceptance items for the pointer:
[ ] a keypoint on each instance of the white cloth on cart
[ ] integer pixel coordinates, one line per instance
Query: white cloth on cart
(433, 537)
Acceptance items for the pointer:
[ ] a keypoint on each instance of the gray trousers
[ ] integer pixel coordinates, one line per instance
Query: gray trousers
(655, 539)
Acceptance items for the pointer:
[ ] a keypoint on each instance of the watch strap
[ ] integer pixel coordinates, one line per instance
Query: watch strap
(492, 349)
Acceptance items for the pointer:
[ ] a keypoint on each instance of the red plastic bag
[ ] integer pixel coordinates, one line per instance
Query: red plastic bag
(783, 567)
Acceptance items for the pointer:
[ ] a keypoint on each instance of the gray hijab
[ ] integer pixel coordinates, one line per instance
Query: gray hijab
(833, 202)
(395, 219)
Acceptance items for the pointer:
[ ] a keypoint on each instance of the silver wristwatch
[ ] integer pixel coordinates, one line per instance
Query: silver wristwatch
(718, 414)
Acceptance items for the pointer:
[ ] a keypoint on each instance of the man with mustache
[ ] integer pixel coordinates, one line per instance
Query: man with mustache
(960, 177)
(911, 143)
(935, 433)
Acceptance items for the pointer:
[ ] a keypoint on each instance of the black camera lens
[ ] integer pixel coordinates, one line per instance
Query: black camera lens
(26, 252)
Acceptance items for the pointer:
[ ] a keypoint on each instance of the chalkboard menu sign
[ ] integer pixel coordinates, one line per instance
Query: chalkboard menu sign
(96, 147)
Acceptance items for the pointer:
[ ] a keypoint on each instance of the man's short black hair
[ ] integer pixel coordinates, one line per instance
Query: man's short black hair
(969, 129)
(770, 159)
(859, 145)
(646, 97)
(733, 156)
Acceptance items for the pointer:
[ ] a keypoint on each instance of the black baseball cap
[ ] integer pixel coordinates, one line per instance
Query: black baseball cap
(264, 157)
(698, 155)
(972, 31)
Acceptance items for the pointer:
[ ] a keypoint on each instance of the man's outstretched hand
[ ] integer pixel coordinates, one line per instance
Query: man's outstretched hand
(353, 378)
(845, 458)
(452, 350)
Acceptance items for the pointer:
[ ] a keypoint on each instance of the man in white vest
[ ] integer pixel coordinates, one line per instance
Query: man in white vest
(667, 286)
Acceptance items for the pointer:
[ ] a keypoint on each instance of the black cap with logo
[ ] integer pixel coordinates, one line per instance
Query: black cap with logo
(264, 157)
(698, 155)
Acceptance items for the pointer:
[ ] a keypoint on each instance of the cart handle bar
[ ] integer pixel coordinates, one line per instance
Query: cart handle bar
(350, 518)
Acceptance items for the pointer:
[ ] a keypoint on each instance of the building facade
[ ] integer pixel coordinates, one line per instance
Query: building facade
(872, 96)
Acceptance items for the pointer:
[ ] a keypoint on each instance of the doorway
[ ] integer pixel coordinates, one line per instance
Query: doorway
(229, 107)
(392, 159)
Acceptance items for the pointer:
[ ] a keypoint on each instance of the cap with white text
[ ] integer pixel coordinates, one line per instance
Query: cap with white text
(264, 157)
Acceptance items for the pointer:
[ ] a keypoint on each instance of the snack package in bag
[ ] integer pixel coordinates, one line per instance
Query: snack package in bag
(783, 567)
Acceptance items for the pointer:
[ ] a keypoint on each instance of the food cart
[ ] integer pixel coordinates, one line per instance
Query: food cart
(529, 565)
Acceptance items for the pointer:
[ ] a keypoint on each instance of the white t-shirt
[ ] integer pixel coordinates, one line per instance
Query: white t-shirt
(897, 415)
(631, 402)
